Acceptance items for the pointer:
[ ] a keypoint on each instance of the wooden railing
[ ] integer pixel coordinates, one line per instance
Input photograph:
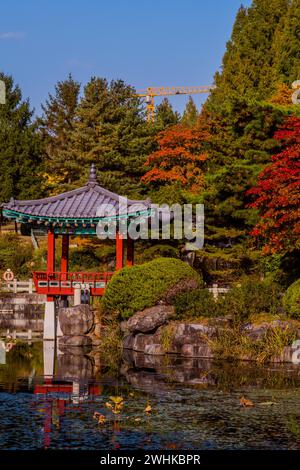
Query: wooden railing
(60, 283)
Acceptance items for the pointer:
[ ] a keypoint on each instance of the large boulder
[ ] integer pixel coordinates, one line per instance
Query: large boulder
(149, 319)
(74, 341)
(146, 343)
(77, 320)
(74, 367)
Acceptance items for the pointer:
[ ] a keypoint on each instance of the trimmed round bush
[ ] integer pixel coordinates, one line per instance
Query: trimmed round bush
(138, 287)
(291, 300)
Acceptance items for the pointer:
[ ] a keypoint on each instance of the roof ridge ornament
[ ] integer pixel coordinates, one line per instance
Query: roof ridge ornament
(93, 174)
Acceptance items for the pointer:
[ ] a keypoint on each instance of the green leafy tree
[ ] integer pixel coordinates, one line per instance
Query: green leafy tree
(20, 146)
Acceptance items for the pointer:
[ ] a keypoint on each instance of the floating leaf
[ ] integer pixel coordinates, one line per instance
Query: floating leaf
(116, 400)
(148, 408)
(245, 402)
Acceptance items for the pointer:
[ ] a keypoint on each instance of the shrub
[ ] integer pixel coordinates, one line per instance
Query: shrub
(160, 251)
(196, 303)
(141, 286)
(15, 255)
(249, 298)
(291, 300)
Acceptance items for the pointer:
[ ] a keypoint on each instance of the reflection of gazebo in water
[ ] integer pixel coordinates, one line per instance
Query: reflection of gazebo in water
(76, 212)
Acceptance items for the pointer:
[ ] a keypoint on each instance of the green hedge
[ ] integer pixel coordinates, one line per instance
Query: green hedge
(138, 287)
(291, 300)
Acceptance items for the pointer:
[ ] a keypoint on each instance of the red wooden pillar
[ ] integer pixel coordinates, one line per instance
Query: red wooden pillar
(51, 252)
(119, 251)
(130, 252)
(50, 257)
(64, 264)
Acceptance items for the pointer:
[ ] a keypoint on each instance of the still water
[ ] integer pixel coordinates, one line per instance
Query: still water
(48, 400)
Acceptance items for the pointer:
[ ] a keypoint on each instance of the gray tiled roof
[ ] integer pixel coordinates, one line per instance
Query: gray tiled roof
(83, 202)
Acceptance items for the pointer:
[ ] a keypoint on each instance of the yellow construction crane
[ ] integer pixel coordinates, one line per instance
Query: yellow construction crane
(150, 93)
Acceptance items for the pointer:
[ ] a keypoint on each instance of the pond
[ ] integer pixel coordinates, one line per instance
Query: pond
(49, 399)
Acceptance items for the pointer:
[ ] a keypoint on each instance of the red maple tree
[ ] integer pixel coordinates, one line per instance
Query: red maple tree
(277, 194)
(179, 157)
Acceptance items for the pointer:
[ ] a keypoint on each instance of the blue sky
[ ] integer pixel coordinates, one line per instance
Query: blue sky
(146, 43)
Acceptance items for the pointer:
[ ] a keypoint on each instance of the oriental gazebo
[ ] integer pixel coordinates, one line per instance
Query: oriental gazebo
(77, 213)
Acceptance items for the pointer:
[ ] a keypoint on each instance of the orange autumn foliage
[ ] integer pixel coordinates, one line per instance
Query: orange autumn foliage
(179, 158)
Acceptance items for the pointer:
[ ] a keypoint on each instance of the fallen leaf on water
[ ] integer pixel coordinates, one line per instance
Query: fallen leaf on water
(245, 402)
(137, 420)
(116, 400)
(148, 408)
(101, 418)
(131, 394)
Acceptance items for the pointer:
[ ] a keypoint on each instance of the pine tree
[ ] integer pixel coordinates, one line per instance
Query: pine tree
(55, 126)
(249, 57)
(287, 52)
(110, 130)
(20, 146)
(165, 115)
(190, 114)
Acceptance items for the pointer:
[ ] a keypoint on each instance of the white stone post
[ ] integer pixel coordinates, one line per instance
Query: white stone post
(77, 294)
(49, 320)
(30, 287)
(215, 291)
(49, 356)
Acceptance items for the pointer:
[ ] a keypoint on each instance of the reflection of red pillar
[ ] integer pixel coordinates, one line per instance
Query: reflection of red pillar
(130, 252)
(51, 252)
(119, 251)
(64, 264)
(47, 425)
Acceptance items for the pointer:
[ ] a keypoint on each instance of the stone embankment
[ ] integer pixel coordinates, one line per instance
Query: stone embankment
(153, 332)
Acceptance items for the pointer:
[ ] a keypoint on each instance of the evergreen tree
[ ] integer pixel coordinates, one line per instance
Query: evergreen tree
(287, 50)
(20, 146)
(190, 114)
(110, 130)
(241, 145)
(249, 57)
(165, 115)
(55, 126)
